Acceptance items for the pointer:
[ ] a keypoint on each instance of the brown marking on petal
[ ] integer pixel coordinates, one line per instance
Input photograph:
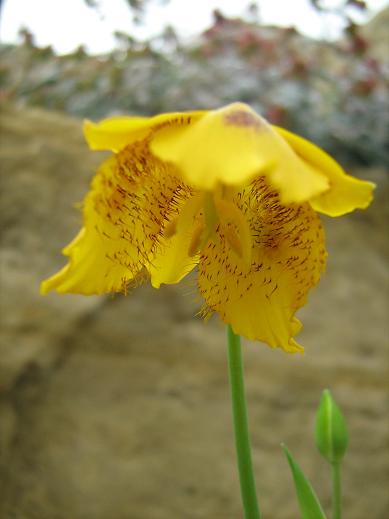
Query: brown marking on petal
(182, 120)
(133, 198)
(287, 250)
(244, 119)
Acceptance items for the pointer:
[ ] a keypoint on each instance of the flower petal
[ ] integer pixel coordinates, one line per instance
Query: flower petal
(132, 195)
(235, 228)
(288, 256)
(115, 133)
(346, 193)
(231, 146)
(172, 260)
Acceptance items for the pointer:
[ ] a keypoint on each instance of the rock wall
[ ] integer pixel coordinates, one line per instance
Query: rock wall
(118, 407)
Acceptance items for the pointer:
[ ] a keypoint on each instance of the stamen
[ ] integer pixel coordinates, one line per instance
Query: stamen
(196, 240)
(210, 213)
(240, 237)
(170, 228)
(233, 240)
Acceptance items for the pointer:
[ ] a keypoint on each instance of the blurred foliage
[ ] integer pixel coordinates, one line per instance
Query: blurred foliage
(341, 7)
(137, 7)
(332, 93)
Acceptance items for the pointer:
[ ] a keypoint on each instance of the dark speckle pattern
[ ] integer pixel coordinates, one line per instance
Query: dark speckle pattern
(288, 255)
(134, 195)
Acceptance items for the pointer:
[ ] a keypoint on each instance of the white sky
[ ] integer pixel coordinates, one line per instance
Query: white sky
(65, 24)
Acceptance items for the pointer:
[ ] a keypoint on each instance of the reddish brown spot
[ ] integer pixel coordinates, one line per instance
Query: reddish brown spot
(243, 118)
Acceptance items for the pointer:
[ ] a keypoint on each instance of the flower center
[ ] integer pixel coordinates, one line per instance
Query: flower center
(214, 213)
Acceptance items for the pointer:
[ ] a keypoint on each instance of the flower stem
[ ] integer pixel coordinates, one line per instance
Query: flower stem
(242, 440)
(336, 491)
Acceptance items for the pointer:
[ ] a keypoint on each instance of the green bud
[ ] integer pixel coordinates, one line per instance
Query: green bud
(331, 431)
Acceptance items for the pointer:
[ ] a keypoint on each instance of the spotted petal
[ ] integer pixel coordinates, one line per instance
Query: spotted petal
(288, 254)
(131, 197)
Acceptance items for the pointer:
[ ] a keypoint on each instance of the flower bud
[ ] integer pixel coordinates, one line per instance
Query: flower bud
(331, 431)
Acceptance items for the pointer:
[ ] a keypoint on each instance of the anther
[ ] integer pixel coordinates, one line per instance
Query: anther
(170, 229)
(196, 240)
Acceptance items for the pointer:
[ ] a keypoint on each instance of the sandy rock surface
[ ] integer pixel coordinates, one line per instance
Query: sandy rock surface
(118, 408)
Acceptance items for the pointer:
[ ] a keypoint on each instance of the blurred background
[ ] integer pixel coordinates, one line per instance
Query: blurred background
(118, 407)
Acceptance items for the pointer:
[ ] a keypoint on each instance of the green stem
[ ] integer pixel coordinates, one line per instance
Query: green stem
(336, 491)
(242, 440)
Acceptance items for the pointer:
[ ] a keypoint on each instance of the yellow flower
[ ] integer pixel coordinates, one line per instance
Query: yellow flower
(221, 189)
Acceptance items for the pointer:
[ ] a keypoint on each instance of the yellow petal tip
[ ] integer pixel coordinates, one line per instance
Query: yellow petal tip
(44, 289)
